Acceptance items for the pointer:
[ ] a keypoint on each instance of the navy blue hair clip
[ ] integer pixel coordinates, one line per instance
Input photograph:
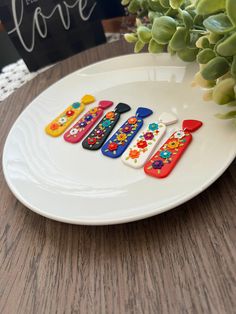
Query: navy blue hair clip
(143, 112)
(119, 142)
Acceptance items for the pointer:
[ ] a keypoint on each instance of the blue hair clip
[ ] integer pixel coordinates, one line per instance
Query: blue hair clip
(119, 142)
(143, 112)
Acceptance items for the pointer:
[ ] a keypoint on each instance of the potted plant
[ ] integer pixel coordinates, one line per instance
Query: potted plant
(201, 30)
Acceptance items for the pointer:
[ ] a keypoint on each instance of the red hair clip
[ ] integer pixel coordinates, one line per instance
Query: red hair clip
(165, 159)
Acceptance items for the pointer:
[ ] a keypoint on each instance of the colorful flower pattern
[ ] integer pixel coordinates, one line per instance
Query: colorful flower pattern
(142, 144)
(121, 137)
(76, 105)
(73, 131)
(146, 139)
(54, 126)
(110, 115)
(89, 117)
(92, 140)
(173, 144)
(132, 120)
(153, 126)
(70, 113)
(83, 122)
(106, 123)
(99, 132)
(93, 110)
(66, 117)
(179, 134)
(59, 124)
(148, 136)
(124, 133)
(157, 164)
(134, 154)
(112, 146)
(167, 152)
(62, 120)
(127, 128)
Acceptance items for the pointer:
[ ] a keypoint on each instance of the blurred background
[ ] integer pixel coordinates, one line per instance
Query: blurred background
(8, 53)
(17, 67)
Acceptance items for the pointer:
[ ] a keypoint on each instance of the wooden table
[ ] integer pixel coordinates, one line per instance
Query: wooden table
(182, 261)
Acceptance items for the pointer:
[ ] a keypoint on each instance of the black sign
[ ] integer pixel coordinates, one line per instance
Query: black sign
(45, 31)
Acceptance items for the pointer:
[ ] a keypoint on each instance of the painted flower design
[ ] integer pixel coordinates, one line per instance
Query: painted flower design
(157, 164)
(110, 115)
(121, 137)
(89, 117)
(153, 126)
(148, 136)
(165, 154)
(54, 126)
(142, 144)
(99, 132)
(173, 144)
(112, 146)
(127, 129)
(132, 120)
(62, 120)
(76, 105)
(93, 110)
(73, 131)
(134, 153)
(92, 140)
(179, 134)
(106, 123)
(82, 124)
(70, 113)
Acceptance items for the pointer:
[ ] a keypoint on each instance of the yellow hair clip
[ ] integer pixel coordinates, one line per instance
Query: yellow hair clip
(64, 120)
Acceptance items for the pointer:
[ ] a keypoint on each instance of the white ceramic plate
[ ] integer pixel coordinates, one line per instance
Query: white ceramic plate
(67, 183)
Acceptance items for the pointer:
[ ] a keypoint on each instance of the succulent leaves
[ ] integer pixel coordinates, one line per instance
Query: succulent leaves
(202, 30)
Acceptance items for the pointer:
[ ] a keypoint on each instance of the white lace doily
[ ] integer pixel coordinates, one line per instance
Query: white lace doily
(12, 77)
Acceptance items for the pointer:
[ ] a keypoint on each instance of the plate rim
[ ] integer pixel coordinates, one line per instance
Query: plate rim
(103, 222)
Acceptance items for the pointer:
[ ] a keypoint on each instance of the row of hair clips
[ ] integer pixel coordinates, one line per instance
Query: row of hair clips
(165, 159)
(137, 155)
(60, 124)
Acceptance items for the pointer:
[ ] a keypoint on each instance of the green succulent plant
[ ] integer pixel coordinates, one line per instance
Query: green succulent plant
(201, 30)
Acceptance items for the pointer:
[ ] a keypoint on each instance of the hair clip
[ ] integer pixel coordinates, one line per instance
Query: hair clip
(118, 143)
(165, 159)
(100, 133)
(81, 128)
(146, 142)
(64, 120)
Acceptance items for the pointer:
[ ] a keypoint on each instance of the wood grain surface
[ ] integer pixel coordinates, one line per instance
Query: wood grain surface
(182, 261)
